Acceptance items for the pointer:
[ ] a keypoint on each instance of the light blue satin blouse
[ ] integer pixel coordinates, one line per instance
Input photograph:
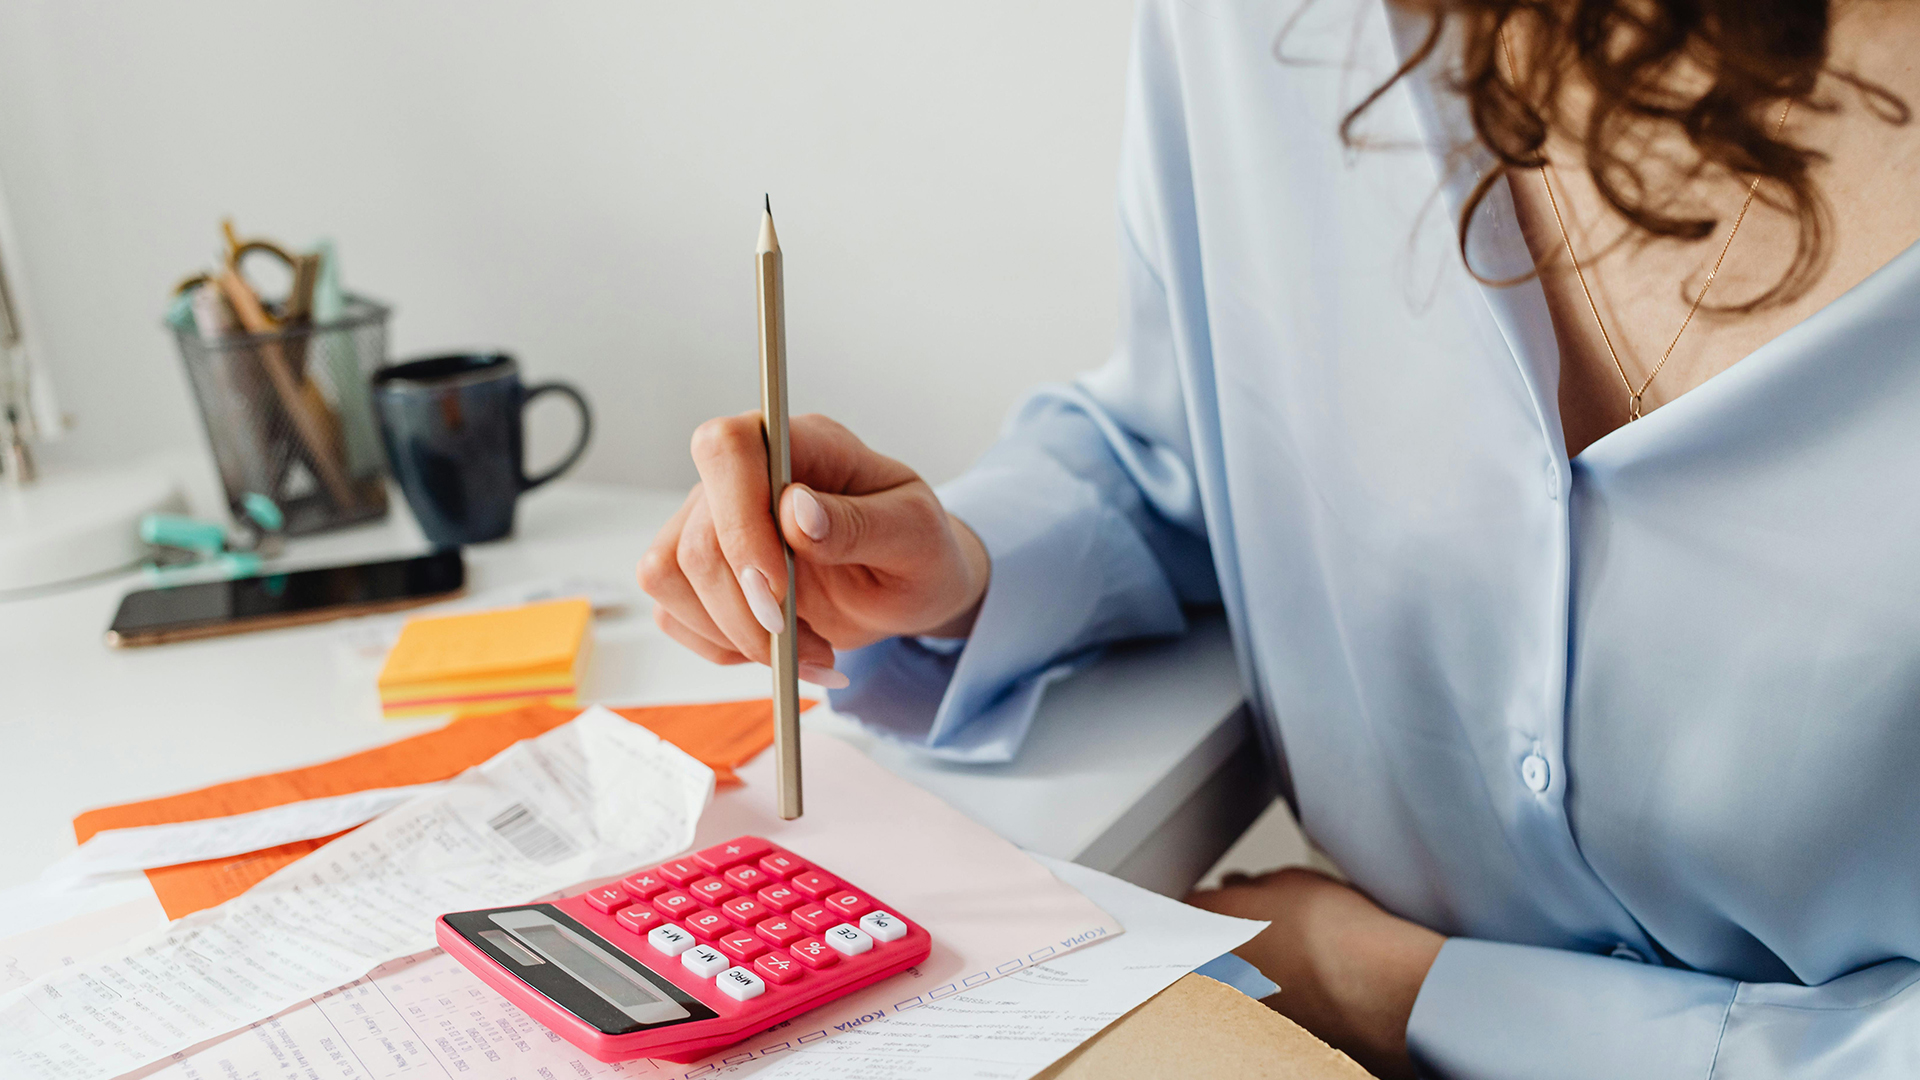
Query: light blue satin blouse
(1640, 731)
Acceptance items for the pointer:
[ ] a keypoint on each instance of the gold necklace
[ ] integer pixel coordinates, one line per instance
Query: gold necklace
(1636, 396)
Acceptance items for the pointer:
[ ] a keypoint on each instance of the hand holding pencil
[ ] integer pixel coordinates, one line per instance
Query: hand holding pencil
(874, 553)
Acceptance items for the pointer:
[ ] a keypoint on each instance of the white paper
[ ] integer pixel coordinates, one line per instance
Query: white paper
(26, 957)
(117, 851)
(521, 826)
(1014, 1027)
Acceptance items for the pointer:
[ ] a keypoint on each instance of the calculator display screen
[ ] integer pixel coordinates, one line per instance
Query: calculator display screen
(586, 967)
(577, 969)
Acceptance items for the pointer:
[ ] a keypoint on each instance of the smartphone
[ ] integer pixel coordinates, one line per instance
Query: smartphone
(213, 608)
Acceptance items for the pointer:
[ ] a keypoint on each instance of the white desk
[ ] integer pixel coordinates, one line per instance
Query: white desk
(1144, 766)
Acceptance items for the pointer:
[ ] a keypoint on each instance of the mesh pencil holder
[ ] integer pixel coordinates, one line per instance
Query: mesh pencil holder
(289, 417)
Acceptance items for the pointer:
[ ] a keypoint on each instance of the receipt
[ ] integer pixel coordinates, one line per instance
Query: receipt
(115, 851)
(528, 823)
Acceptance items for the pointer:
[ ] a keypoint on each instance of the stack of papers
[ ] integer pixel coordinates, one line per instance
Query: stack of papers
(488, 661)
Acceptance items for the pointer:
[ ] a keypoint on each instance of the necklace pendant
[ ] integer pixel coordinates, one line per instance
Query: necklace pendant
(1633, 408)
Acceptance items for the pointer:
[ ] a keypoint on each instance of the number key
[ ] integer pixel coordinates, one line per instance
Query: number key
(708, 924)
(780, 897)
(780, 930)
(711, 890)
(814, 917)
(814, 953)
(742, 946)
(675, 904)
(744, 911)
(747, 878)
(848, 903)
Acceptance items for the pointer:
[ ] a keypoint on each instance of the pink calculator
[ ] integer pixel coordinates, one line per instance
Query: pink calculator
(678, 960)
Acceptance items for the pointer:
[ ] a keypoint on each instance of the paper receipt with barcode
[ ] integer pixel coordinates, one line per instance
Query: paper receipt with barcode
(587, 799)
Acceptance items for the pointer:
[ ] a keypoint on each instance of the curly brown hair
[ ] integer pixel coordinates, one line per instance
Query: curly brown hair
(1718, 72)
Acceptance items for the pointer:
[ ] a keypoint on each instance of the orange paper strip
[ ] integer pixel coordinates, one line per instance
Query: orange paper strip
(722, 735)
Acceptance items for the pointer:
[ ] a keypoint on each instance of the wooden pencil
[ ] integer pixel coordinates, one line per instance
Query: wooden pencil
(773, 422)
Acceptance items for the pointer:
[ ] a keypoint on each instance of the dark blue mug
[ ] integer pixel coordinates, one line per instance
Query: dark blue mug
(454, 432)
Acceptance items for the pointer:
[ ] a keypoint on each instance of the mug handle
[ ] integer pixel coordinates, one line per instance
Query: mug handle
(528, 483)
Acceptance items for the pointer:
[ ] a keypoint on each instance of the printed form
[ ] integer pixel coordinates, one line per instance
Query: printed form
(428, 1018)
(588, 799)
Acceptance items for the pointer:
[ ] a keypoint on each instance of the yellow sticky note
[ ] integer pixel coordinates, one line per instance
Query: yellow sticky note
(531, 652)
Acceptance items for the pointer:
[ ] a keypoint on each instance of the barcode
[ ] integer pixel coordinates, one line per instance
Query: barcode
(530, 836)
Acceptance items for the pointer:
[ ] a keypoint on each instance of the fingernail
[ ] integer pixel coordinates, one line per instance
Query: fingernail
(809, 514)
(760, 599)
(823, 676)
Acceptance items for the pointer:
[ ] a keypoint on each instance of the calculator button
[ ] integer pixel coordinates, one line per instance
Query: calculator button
(707, 925)
(740, 984)
(638, 919)
(681, 871)
(883, 926)
(782, 865)
(711, 890)
(670, 939)
(777, 967)
(607, 899)
(814, 883)
(705, 961)
(780, 897)
(643, 884)
(744, 911)
(742, 946)
(747, 878)
(780, 930)
(815, 917)
(814, 953)
(848, 939)
(675, 904)
(733, 852)
(848, 903)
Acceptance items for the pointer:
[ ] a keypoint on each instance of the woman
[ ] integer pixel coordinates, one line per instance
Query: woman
(1578, 603)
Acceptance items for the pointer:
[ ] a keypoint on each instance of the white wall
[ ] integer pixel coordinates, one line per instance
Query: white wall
(580, 183)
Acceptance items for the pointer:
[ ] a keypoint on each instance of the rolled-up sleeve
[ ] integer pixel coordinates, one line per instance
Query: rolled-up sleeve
(1490, 1011)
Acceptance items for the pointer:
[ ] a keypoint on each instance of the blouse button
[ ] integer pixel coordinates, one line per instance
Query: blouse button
(1534, 771)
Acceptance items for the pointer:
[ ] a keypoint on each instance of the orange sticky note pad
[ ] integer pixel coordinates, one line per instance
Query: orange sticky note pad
(488, 660)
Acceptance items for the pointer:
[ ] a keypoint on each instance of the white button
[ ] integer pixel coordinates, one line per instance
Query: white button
(1533, 770)
(740, 984)
(669, 939)
(705, 961)
(848, 940)
(883, 926)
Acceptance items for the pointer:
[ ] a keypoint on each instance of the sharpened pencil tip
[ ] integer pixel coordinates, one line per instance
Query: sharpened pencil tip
(767, 201)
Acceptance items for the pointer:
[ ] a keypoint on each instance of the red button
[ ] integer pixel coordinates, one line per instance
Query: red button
(779, 897)
(681, 871)
(675, 904)
(745, 911)
(778, 967)
(741, 946)
(747, 878)
(711, 890)
(781, 864)
(638, 919)
(643, 884)
(780, 930)
(849, 903)
(815, 953)
(814, 883)
(707, 924)
(608, 898)
(732, 853)
(815, 917)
